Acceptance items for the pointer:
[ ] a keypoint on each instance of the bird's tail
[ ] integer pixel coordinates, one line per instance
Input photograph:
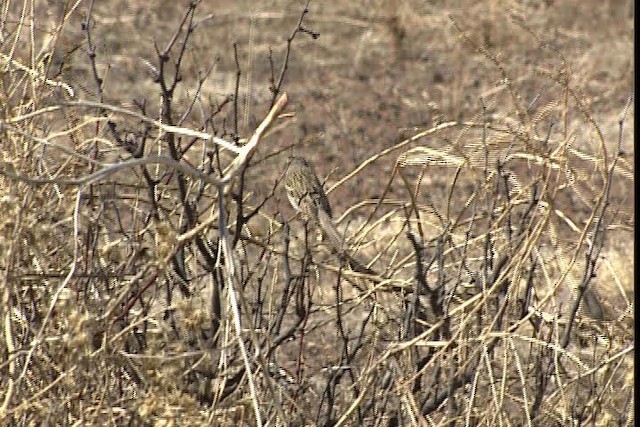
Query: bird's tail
(337, 244)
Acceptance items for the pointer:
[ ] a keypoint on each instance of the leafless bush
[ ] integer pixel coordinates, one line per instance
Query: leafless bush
(145, 280)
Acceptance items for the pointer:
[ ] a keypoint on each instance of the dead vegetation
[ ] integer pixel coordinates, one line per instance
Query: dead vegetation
(152, 273)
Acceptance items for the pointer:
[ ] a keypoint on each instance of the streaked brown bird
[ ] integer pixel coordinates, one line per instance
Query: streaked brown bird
(306, 195)
(304, 190)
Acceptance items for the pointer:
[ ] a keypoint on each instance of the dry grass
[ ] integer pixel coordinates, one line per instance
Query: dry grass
(479, 154)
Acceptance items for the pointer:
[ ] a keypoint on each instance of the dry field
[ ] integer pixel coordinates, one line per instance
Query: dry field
(478, 157)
